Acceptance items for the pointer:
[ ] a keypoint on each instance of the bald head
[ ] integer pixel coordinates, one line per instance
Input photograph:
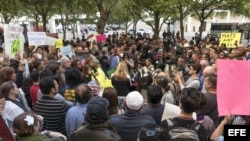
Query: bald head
(162, 74)
(204, 63)
(208, 70)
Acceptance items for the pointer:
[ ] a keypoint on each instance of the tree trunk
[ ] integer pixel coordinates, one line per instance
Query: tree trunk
(201, 25)
(36, 24)
(64, 31)
(101, 23)
(73, 30)
(44, 20)
(134, 27)
(181, 21)
(157, 25)
(7, 19)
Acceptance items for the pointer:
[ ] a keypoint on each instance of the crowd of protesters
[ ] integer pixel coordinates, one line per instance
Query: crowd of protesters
(115, 90)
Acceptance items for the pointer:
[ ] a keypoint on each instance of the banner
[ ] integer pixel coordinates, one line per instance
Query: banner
(66, 51)
(231, 40)
(50, 41)
(36, 38)
(233, 87)
(13, 40)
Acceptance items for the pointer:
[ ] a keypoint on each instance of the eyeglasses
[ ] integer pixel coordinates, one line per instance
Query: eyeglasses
(151, 133)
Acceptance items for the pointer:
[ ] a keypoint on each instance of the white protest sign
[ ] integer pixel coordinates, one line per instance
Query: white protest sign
(171, 111)
(50, 41)
(36, 38)
(13, 40)
(66, 50)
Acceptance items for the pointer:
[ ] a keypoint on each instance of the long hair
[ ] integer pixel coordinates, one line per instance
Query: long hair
(6, 73)
(121, 72)
(111, 95)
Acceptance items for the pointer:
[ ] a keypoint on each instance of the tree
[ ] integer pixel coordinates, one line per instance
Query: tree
(183, 10)
(204, 8)
(159, 10)
(8, 10)
(45, 8)
(105, 8)
(30, 12)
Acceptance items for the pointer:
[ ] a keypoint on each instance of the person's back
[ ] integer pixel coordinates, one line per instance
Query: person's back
(155, 108)
(75, 115)
(52, 110)
(153, 132)
(93, 133)
(185, 124)
(96, 127)
(129, 124)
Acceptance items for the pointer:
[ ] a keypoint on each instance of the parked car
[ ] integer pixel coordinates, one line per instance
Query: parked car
(143, 31)
(130, 31)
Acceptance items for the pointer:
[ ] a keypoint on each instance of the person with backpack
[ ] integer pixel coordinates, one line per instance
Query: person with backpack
(185, 127)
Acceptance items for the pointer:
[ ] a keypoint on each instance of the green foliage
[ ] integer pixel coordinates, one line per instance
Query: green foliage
(242, 8)
(203, 9)
(9, 9)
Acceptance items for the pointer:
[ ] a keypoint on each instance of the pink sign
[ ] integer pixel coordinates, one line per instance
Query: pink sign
(233, 87)
(101, 38)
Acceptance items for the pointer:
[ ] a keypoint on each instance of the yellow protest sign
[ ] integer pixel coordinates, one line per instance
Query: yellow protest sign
(59, 43)
(231, 40)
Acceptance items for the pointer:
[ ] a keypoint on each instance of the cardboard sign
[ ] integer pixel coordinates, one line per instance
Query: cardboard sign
(50, 41)
(36, 38)
(233, 87)
(171, 111)
(231, 40)
(59, 43)
(66, 51)
(13, 40)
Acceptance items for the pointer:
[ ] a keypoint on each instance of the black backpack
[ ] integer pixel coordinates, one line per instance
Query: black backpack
(180, 133)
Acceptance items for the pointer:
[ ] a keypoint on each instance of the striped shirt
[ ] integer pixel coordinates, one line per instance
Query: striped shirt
(53, 112)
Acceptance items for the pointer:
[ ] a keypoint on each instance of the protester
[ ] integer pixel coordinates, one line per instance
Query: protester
(154, 107)
(27, 128)
(189, 102)
(76, 114)
(129, 124)
(96, 126)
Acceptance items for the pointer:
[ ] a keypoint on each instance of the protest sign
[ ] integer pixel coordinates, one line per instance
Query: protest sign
(50, 41)
(101, 38)
(36, 38)
(59, 43)
(233, 87)
(171, 111)
(231, 40)
(13, 40)
(66, 51)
